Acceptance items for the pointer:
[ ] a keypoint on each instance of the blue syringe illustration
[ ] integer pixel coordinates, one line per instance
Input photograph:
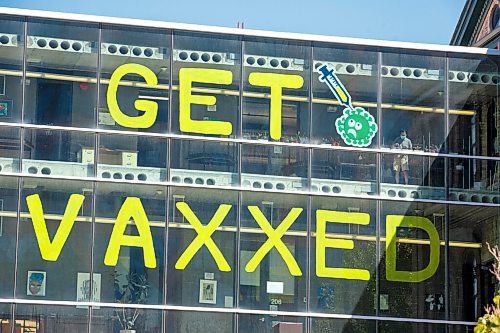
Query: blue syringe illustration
(328, 76)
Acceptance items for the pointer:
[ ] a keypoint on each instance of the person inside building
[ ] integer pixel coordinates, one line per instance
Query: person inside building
(400, 160)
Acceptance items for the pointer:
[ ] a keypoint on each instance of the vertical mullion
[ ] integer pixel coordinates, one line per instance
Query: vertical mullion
(378, 214)
(447, 191)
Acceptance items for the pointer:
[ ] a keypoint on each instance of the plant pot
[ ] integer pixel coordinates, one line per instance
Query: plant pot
(127, 331)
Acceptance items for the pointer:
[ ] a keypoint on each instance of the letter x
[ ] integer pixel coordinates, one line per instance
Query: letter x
(204, 236)
(274, 240)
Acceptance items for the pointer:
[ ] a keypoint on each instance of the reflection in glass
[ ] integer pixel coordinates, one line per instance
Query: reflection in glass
(202, 281)
(323, 325)
(270, 284)
(61, 73)
(10, 149)
(186, 322)
(413, 100)
(274, 167)
(8, 231)
(288, 64)
(51, 318)
(11, 56)
(145, 47)
(57, 279)
(204, 163)
(265, 323)
(56, 152)
(106, 320)
(129, 280)
(357, 70)
(412, 176)
(473, 100)
(132, 158)
(220, 58)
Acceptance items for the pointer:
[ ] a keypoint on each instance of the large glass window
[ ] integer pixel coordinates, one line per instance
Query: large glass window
(323, 325)
(266, 323)
(129, 273)
(473, 100)
(119, 320)
(61, 65)
(413, 98)
(334, 288)
(344, 172)
(204, 163)
(357, 72)
(267, 280)
(131, 158)
(58, 152)
(8, 232)
(42, 272)
(140, 53)
(187, 322)
(285, 66)
(10, 149)
(206, 67)
(11, 58)
(472, 286)
(274, 167)
(202, 273)
(412, 266)
(51, 318)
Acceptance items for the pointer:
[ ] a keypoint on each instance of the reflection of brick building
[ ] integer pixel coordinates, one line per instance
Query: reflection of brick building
(478, 25)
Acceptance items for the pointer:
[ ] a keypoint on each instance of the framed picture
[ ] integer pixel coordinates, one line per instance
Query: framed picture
(5, 108)
(208, 291)
(83, 288)
(36, 283)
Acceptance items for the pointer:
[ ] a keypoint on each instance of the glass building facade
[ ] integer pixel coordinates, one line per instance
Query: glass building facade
(260, 216)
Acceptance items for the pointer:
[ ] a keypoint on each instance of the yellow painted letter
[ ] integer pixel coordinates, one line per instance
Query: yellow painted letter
(392, 223)
(204, 236)
(322, 242)
(203, 75)
(51, 250)
(277, 82)
(274, 240)
(131, 209)
(150, 108)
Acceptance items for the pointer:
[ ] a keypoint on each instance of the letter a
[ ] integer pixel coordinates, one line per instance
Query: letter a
(131, 208)
(50, 251)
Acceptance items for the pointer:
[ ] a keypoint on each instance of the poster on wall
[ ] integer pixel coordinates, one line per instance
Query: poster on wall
(208, 291)
(5, 108)
(83, 288)
(36, 283)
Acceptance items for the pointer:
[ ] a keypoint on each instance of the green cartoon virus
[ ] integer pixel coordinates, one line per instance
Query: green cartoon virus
(357, 127)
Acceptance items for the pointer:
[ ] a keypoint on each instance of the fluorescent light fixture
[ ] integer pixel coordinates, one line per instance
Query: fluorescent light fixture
(156, 98)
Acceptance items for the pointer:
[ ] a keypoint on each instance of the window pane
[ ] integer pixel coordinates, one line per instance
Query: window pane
(323, 325)
(473, 286)
(413, 101)
(8, 231)
(147, 48)
(214, 57)
(288, 64)
(412, 176)
(473, 106)
(44, 279)
(61, 73)
(200, 280)
(274, 167)
(334, 294)
(347, 173)
(264, 323)
(473, 180)
(204, 162)
(51, 318)
(132, 158)
(11, 58)
(412, 272)
(272, 283)
(187, 322)
(396, 327)
(10, 149)
(357, 71)
(134, 275)
(55, 152)
(106, 320)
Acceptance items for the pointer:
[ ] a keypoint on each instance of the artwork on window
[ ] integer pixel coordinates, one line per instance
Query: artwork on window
(208, 291)
(36, 283)
(83, 288)
(435, 302)
(5, 108)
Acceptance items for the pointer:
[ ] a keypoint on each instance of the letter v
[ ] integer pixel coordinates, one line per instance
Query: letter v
(50, 251)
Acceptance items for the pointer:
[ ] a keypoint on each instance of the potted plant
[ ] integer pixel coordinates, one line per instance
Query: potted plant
(130, 289)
